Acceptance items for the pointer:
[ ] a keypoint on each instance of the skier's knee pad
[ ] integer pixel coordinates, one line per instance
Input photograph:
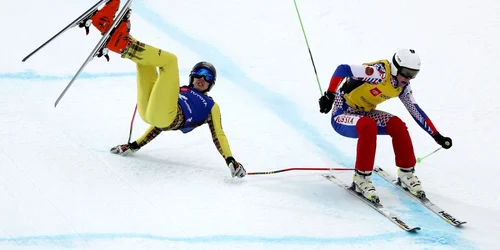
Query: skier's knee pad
(395, 126)
(366, 126)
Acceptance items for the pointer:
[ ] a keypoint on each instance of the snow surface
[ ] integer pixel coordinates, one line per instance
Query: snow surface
(60, 188)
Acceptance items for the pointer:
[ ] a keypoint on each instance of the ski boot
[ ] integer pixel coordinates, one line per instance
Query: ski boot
(119, 40)
(119, 37)
(363, 185)
(408, 180)
(101, 19)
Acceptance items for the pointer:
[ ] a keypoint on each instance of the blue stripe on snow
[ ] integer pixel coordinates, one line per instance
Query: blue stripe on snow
(31, 75)
(438, 238)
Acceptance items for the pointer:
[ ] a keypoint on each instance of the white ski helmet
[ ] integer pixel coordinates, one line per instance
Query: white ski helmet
(405, 59)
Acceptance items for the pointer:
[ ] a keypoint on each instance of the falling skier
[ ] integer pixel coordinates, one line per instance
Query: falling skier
(354, 115)
(161, 102)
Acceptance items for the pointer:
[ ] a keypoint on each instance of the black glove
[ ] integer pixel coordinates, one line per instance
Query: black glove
(326, 102)
(236, 168)
(445, 142)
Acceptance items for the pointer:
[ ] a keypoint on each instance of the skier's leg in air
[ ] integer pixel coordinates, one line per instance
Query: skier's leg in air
(157, 91)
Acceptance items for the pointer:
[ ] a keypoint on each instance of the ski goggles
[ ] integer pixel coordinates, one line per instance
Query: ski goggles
(205, 73)
(408, 73)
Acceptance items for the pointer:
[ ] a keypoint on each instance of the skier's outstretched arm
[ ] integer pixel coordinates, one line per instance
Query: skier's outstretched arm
(422, 119)
(126, 149)
(219, 138)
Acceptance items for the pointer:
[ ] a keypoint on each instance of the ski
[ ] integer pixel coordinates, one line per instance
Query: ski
(426, 202)
(100, 50)
(377, 206)
(81, 21)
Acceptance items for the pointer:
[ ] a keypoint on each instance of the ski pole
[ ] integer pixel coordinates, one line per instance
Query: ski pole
(419, 159)
(308, 48)
(292, 169)
(132, 124)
